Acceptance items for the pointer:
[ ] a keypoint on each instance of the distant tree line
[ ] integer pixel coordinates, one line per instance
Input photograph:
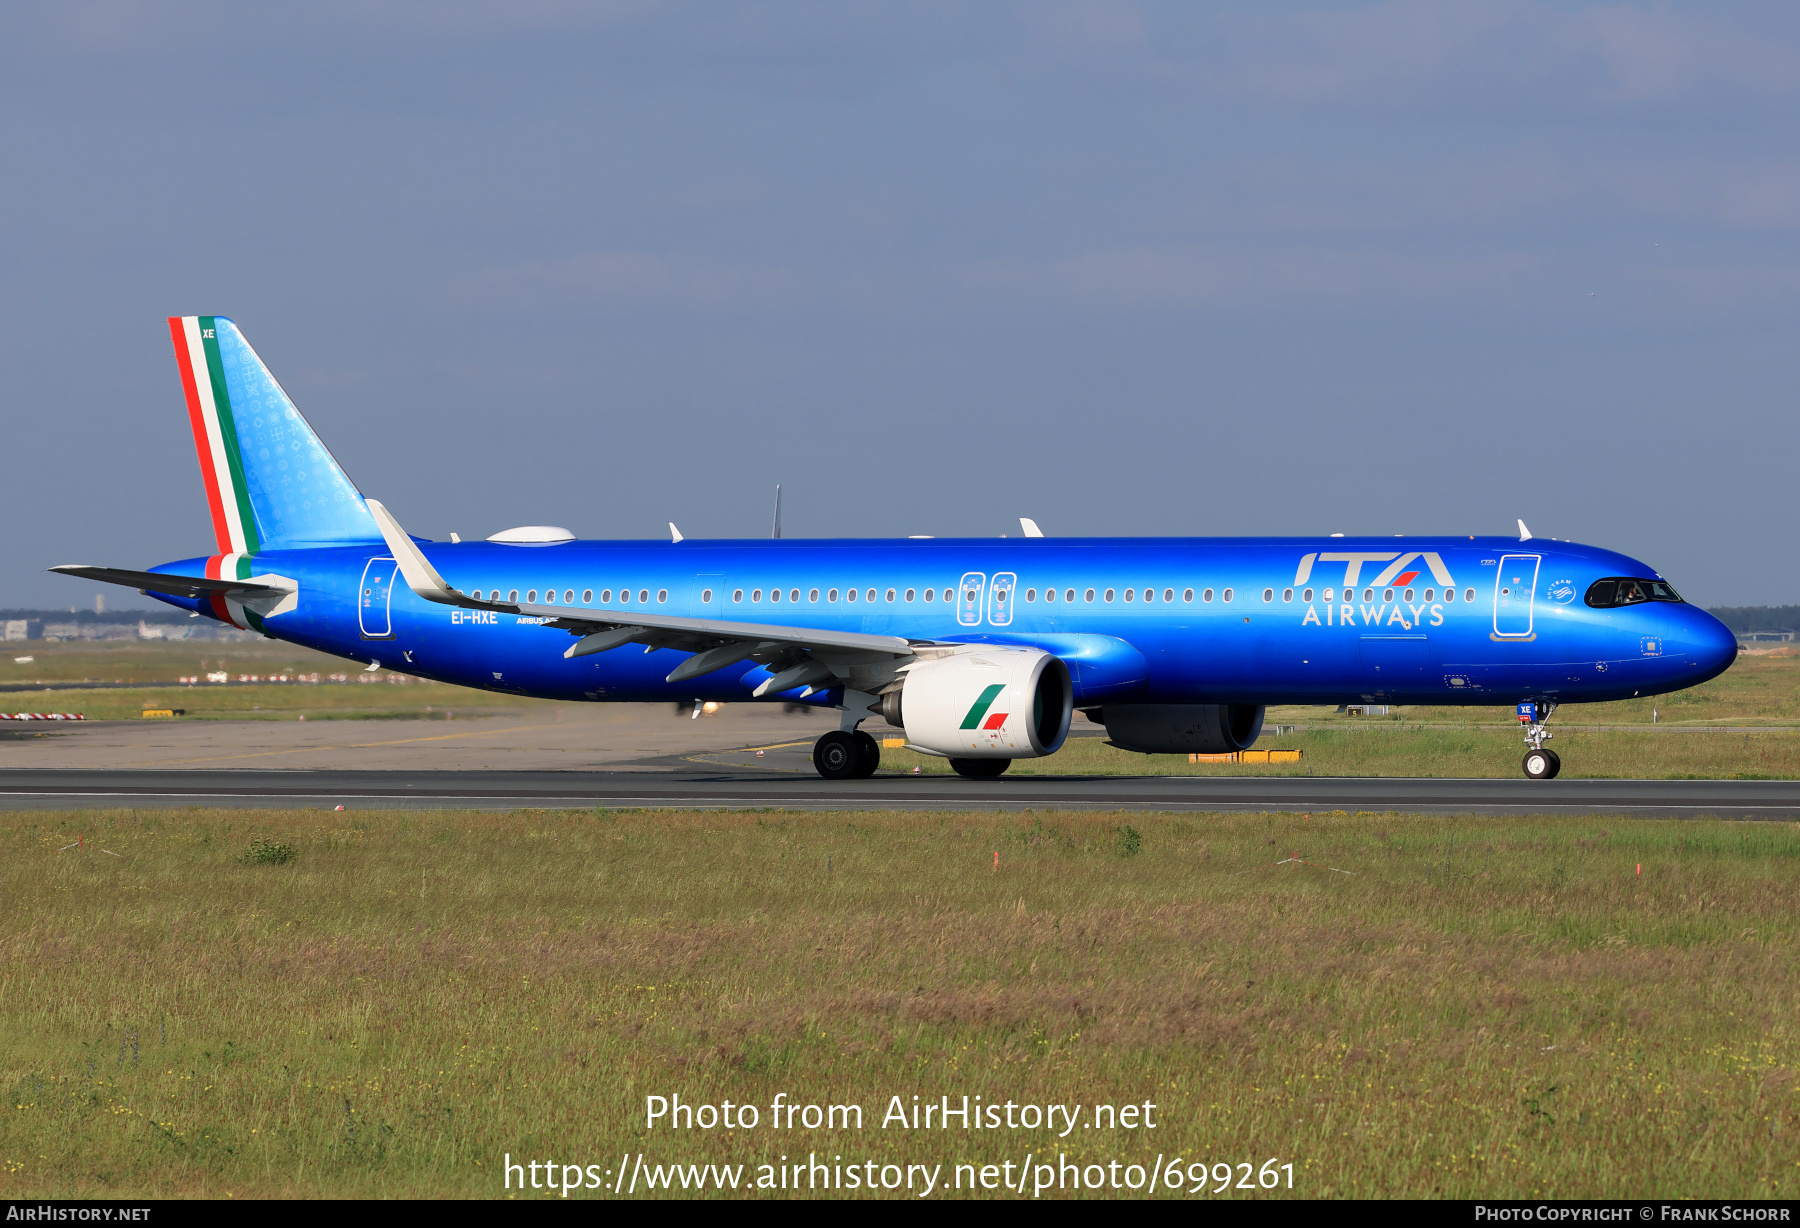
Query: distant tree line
(1744, 619)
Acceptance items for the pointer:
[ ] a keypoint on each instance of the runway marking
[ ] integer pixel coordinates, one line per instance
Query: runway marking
(715, 801)
(301, 750)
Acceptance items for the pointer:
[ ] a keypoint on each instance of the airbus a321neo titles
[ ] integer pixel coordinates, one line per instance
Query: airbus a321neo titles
(981, 650)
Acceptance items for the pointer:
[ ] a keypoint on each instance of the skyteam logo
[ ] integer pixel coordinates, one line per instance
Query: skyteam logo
(1562, 592)
(972, 719)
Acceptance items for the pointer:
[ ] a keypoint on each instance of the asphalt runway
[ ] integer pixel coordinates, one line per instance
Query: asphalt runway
(698, 786)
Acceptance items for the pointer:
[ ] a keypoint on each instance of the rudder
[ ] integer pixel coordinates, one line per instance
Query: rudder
(270, 481)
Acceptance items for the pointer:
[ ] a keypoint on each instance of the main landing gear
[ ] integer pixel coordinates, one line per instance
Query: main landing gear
(1541, 763)
(842, 755)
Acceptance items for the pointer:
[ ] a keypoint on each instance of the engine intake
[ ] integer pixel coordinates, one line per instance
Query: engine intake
(1174, 729)
(995, 703)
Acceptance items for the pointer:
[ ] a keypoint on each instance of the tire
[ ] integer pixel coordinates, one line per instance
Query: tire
(836, 756)
(980, 769)
(868, 755)
(1555, 764)
(1541, 764)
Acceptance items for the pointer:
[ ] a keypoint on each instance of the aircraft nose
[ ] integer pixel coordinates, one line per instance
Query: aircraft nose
(1710, 644)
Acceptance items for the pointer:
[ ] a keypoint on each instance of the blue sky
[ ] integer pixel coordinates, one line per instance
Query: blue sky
(1125, 268)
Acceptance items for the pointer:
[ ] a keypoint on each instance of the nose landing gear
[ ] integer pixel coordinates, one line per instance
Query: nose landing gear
(1541, 763)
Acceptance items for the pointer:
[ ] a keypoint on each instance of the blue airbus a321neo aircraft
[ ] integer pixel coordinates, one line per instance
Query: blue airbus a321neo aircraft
(980, 649)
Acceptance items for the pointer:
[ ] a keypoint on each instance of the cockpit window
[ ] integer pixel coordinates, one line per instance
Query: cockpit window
(1622, 590)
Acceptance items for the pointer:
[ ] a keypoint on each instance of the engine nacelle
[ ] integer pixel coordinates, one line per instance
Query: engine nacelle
(995, 703)
(1175, 729)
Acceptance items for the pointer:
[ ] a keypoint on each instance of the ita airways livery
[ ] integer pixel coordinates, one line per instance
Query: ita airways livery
(981, 650)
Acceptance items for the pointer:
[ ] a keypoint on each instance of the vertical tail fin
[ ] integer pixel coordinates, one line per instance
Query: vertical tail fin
(270, 482)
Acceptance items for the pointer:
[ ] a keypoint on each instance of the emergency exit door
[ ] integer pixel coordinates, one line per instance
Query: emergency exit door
(1515, 589)
(374, 601)
(968, 598)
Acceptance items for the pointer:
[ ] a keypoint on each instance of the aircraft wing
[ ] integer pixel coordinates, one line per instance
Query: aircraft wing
(177, 586)
(795, 656)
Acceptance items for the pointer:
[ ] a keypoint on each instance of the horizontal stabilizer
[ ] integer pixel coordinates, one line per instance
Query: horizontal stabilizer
(175, 586)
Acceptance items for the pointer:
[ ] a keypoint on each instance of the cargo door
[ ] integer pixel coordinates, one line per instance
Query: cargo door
(373, 603)
(968, 599)
(1515, 587)
(1000, 599)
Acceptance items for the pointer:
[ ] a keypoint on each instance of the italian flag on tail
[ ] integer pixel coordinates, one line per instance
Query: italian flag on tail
(221, 460)
(215, 435)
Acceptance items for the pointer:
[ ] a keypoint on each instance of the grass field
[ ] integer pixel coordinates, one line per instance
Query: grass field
(1496, 1007)
(1415, 750)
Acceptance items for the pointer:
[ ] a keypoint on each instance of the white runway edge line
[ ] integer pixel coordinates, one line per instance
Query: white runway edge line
(710, 802)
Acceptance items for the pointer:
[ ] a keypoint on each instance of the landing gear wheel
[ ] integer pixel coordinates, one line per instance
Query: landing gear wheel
(837, 756)
(868, 752)
(980, 769)
(1542, 764)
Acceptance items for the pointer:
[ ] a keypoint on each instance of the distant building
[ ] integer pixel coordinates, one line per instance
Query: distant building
(1776, 636)
(24, 628)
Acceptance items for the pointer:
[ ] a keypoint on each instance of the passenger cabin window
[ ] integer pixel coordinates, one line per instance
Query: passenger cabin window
(587, 596)
(531, 595)
(1207, 595)
(1031, 594)
(662, 594)
(832, 595)
(706, 596)
(1617, 591)
(1169, 594)
(1187, 594)
(1130, 595)
(756, 594)
(1306, 596)
(930, 594)
(1268, 594)
(513, 595)
(774, 594)
(812, 595)
(1468, 594)
(1070, 596)
(737, 594)
(890, 596)
(1409, 595)
(1228, 594)
(909, 595)
(794, 594)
